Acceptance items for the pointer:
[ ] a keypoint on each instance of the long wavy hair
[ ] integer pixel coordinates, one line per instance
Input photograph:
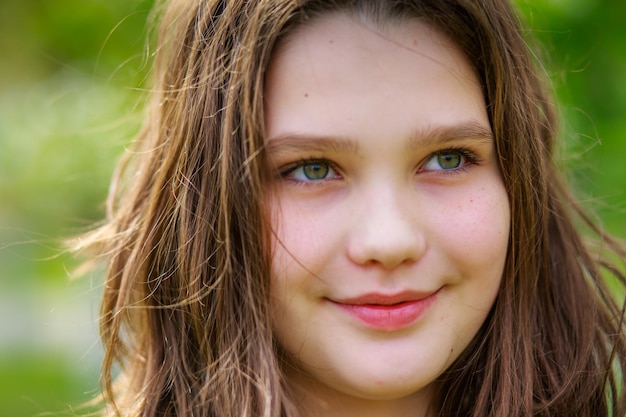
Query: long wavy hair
(187, 239)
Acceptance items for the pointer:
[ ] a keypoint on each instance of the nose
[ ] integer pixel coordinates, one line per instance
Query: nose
(386, 232)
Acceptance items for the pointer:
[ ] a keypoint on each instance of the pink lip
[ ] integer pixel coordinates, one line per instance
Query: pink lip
(388, 312)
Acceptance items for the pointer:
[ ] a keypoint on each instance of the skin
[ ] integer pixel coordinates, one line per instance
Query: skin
(386, 183)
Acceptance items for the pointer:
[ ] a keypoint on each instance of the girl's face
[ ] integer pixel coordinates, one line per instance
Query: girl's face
(390, 215)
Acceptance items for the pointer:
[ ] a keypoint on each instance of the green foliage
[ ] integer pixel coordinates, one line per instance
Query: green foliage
(44, 384)
(68, 108)
(583, 49)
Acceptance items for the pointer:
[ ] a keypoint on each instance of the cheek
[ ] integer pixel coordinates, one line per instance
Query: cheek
(291, 240)
(475, 230)
(295, 248)
(303, 237)
(476, 247)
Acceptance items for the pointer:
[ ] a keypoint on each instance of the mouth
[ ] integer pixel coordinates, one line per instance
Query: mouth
(387, 312)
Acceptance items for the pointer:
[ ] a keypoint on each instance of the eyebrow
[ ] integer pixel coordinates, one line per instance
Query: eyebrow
(312, 143)
(423, 138)
(440, 135)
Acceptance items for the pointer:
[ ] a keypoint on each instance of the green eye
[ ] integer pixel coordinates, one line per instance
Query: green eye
(449, 160)
(312, 170)
(316, 171)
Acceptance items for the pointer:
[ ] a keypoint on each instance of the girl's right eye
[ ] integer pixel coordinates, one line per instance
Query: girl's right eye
(310, 171)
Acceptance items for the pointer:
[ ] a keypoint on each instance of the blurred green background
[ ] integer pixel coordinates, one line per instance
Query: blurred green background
(71, 73)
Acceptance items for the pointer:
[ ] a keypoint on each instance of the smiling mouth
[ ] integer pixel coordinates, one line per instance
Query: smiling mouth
(388, 313)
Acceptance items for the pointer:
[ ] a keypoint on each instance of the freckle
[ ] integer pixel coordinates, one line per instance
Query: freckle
(331, 41)
(471, 200)
(306, 95)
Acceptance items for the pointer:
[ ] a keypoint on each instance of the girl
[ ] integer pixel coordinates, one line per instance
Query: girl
(349, 208)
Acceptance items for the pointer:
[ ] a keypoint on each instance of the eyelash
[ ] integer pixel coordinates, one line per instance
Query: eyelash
(290, 168)
(469, 159)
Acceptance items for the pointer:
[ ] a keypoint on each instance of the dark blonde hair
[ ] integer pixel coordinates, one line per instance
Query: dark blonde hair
(185, 307)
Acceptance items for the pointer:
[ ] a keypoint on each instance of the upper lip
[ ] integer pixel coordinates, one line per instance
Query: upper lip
(376, 298)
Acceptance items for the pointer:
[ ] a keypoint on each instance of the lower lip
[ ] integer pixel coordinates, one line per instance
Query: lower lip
(389, 317)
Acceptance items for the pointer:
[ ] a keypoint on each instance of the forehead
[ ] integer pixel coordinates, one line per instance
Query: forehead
(338, 68)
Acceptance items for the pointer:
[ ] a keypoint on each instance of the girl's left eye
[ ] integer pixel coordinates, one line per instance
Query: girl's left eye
(309, 171)
(448, 160)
